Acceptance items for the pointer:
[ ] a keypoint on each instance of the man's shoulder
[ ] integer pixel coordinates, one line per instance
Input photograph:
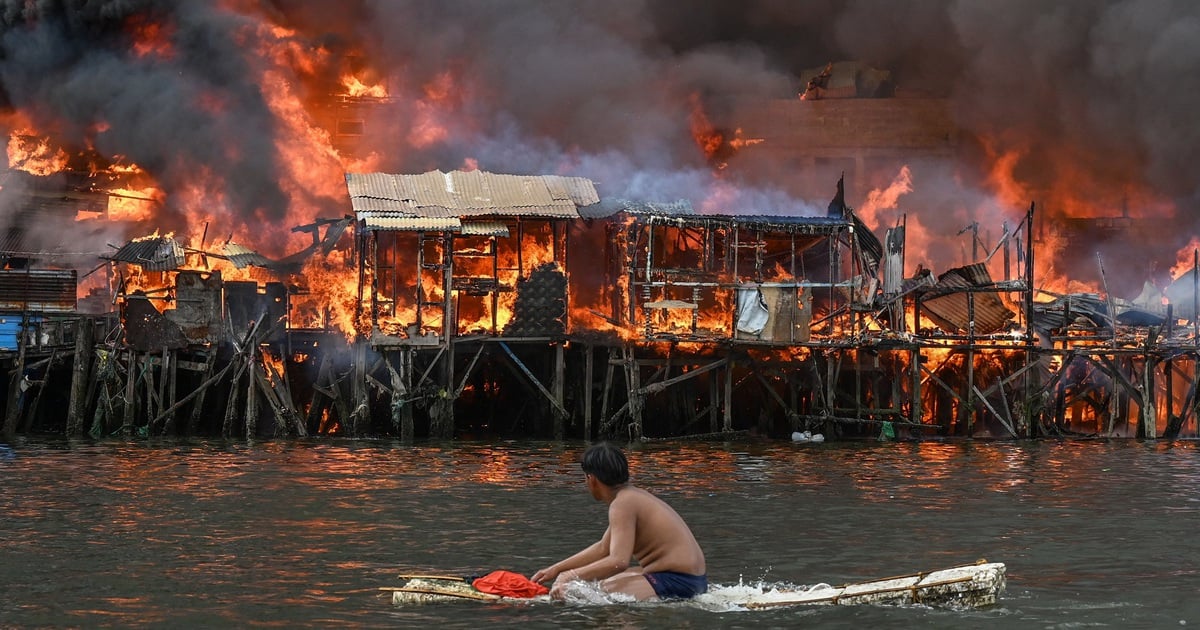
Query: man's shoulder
(634, 495)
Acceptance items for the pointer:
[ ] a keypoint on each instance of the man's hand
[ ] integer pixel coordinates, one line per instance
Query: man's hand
(560, 584)
(545, 575)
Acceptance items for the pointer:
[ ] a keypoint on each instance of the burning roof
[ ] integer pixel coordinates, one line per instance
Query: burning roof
(438, 201)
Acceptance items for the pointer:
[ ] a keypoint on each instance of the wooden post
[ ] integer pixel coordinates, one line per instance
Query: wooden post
(1027, 298)
(407, 430)
(198, 406)
(163, 372)
(588, 368)
(130, 394)
(359, 418)
(633, 377)
(610, 365)
(445, 415)
(169, 413)
(727, 424)
(320, 401)
(80, 369)
(172, 384)
(402, 418)
(31, 414)
(251, 396)
(1148, 425)
(231, 403)
(970, 402)
(714, 401)
(557, 388)
(152, 399)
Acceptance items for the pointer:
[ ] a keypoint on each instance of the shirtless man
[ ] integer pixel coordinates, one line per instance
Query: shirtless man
(640, 527)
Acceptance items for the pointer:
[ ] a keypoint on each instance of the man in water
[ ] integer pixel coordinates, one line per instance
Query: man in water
(641, 527)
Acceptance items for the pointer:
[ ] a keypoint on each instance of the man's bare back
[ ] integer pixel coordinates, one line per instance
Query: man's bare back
(662, 541)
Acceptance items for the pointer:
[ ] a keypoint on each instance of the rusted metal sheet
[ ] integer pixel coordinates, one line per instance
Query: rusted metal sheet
(146, 329)
(198, 306)
(154, 253)
(40, 290)
(951, 308)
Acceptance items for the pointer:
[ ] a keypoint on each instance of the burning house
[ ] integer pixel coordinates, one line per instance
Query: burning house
(177, 215)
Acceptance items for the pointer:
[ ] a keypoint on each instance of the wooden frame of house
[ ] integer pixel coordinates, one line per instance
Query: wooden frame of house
(443, 254)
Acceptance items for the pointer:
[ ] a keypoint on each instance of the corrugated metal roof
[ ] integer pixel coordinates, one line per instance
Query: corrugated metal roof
(468, 193)
(242, 256)
(484, 228)
(394, 222)
(155, 253)
(683, 210)
(44, 290)
(952, 311)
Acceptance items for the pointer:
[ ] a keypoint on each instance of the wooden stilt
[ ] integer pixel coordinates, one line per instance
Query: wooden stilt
(320, 397)
(633, 377)
(714, 400)
(200, 394)
(606, 427)
(172, 385)
(251, 396)
(588, 391)
(557, 386)
(232, 401)
(31, 415)
(400, 407)
(152, 399)
(130, 394)
(168, 415)
(727, 424)
(80, 373)
(360, 417)
(407, 430)
(1148, 424)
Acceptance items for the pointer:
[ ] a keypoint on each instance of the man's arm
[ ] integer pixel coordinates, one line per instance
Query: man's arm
(591, 553)
(617, 548)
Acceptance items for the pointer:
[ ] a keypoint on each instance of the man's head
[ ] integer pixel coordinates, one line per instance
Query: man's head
(606, 463)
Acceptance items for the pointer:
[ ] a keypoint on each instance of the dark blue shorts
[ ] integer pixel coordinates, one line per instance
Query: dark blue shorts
(674, 585)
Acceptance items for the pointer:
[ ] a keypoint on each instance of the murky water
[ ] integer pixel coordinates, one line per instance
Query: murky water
(295, 534)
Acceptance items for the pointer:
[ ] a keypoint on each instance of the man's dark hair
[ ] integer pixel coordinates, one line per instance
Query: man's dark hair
(606, 463)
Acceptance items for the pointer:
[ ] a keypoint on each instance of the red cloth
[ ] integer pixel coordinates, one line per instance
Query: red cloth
(509, 584)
